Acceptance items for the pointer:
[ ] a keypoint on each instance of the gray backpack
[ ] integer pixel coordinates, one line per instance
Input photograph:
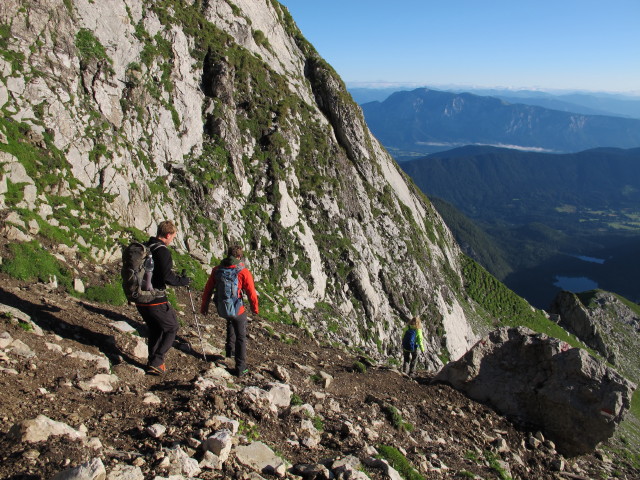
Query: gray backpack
(137, 270)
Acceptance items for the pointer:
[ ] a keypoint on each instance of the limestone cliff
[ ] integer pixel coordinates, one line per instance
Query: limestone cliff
(605, 322)
(118, 114)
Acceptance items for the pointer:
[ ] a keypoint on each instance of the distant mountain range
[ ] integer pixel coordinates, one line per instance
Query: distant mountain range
(411, 123)
(592, 103)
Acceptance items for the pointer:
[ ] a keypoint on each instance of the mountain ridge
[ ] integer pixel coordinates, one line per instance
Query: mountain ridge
(426, 121)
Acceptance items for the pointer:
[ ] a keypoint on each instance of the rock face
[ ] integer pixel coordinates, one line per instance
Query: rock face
(603, 322)
(221, 116)
(572, 397)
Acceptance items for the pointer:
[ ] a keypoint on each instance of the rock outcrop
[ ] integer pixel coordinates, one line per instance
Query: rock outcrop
(605, 323)
(575, 399)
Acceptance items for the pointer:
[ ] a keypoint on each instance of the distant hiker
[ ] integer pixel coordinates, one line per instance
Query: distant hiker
(228, 280)
(158, 313)
(411, 342)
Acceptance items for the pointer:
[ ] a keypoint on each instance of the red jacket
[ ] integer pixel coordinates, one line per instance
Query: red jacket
(245, 284)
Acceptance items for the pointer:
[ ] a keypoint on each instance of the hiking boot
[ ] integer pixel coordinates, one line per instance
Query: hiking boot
(157, 370)
(242, 373)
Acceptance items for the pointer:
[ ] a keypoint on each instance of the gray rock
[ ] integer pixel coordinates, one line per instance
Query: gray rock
(92, 470)
(576, 400)
(125, 472)
(101, 361)
(21, 349)
(280, 394)
(314, 471)
(210, 461)
(258, 401)
(281, 373)
(220, 422)
(181, 463)
(220, 444)
(41, 428)
(156, 430)
(101, 382)
(260, 458)
(20, 315)
(309, 436)
(383, 465)
(151, 398)
(346, 466)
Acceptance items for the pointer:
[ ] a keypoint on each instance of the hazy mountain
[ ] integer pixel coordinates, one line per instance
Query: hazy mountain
(425, 120)
(591, 103)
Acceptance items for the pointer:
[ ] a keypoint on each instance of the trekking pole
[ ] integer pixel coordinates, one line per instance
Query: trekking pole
(195, 317)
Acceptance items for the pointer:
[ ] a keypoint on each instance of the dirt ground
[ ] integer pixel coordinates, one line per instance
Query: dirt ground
(443, 426)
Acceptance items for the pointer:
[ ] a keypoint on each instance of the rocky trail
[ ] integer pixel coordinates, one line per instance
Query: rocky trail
(307, 409)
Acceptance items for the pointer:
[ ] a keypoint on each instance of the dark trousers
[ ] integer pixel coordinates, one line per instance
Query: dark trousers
(410, 359)
(236, 345)
(162, 323)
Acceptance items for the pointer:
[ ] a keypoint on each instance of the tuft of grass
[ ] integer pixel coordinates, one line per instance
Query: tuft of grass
(494, 463)
(359, 367)
(89, 47)
(249, 430)
(29, 261)
(318, 423)
(26, 326)
(396, 419)
(296, 400)
(399, 462)
(111, 293)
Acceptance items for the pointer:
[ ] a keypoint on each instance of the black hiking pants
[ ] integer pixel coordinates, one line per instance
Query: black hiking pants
(163, 326)
(410, 358)
(236, 344)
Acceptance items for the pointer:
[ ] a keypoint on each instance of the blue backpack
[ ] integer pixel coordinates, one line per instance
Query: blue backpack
(228, 302)
(410, 340)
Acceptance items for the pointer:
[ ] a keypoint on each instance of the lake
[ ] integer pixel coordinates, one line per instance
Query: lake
(575, 284)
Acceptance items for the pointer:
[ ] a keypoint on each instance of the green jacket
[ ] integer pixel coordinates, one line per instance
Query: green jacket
(419, 338)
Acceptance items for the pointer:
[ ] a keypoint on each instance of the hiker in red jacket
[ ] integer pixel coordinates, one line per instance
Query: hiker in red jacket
(227, 282)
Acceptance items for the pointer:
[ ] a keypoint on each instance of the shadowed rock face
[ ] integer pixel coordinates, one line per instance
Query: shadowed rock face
(575, 399)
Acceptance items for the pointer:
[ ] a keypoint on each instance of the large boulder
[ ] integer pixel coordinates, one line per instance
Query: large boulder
(571, 396)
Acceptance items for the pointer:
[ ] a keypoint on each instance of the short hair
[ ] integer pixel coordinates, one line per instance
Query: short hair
(416, 322)
(234, 251)
(166, 228)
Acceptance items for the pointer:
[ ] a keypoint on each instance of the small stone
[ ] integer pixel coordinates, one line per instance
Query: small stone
(558, 465)
(156, 430)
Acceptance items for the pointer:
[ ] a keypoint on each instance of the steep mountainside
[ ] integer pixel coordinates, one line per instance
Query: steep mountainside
(424, 120)
(221, 116)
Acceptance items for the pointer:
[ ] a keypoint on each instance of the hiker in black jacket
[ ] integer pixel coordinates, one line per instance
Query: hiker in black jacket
(158, 314)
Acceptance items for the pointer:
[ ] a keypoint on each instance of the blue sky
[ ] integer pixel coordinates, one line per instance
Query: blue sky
(561, 44)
